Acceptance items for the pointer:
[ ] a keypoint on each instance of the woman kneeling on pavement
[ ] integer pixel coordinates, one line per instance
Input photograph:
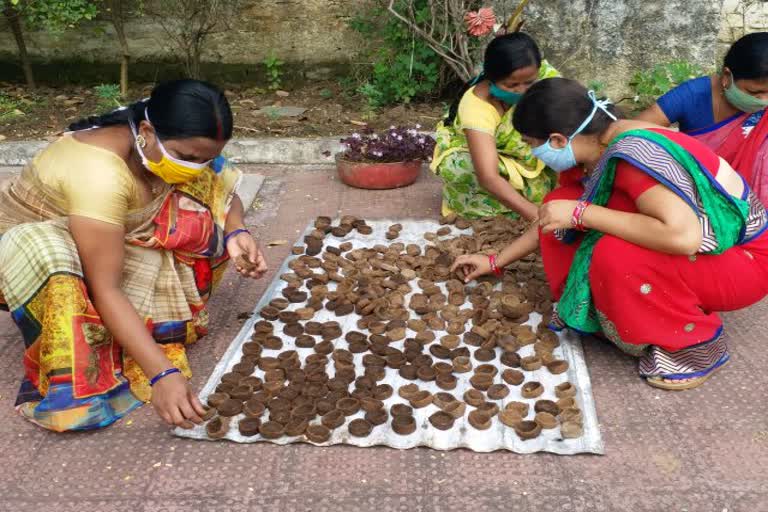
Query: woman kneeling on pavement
(649, 235)
(486, 168)
(111, 241)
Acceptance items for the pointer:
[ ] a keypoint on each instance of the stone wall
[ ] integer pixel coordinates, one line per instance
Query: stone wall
(306, 34)
(601, 40)
(739, 17)
(609, 40)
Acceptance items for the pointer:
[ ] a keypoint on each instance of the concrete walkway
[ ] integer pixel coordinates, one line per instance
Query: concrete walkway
(699, 451)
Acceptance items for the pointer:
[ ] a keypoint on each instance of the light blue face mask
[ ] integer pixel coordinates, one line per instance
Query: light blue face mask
(560, 160)
(508, 97)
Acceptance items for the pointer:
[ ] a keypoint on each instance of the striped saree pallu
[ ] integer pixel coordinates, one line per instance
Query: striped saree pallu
(76, 376)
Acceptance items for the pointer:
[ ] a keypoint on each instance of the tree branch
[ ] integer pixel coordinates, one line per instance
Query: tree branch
(448, 54)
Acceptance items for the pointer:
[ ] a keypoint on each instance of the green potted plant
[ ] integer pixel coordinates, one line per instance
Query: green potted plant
(389, 159)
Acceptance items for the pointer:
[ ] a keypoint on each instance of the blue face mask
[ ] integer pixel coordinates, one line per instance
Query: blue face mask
(508, 97)
(560, 160)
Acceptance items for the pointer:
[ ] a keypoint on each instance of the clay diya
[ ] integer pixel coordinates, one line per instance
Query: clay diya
(527, 429)
(480, 420)
(571, 430)
(512, 377)
(546, 406)
(557, 366)
(498, 392)
(217, 428)
(271, 430)
(546, 420)
(403, 425)
(442, 420)
(318, 434)
(532, 390)
(360, 428)
(565, 390)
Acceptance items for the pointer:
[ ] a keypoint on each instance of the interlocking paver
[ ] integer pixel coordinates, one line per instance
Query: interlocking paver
(702, 450)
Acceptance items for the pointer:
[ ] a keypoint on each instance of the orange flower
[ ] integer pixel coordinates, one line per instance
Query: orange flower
(480, 23)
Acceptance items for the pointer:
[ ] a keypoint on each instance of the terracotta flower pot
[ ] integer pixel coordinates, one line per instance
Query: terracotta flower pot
(377, 175)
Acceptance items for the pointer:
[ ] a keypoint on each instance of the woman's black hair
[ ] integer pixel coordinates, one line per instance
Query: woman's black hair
(748, 57)
(178, 109)
(503, 56)
(559, 105)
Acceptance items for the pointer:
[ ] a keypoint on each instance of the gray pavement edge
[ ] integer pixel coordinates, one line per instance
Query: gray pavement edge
(294, 151)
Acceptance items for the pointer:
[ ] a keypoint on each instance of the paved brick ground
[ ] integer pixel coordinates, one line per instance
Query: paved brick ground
(700, 451)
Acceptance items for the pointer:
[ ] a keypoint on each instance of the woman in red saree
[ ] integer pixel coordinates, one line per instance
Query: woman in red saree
(111, 241)
(649, 235)
(726, 111)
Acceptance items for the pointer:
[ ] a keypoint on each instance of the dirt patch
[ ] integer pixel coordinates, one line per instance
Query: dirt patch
(320, 109)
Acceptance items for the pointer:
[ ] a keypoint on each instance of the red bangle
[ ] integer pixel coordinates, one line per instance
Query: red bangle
(494, 268)
(577, 218)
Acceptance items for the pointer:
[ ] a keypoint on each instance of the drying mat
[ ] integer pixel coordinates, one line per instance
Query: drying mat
(462, 435)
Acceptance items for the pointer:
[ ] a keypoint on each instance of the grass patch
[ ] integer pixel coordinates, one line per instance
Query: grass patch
(12, 107)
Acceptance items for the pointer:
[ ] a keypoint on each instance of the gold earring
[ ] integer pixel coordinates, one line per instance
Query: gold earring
(142, 142)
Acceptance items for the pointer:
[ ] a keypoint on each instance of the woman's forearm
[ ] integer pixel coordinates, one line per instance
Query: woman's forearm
(129, 330)
(235, 216)
(502, 190)
(642, 230)
(520, 248)
(485, 160)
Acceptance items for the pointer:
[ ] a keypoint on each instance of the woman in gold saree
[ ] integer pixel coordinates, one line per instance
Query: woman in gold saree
(111, 241)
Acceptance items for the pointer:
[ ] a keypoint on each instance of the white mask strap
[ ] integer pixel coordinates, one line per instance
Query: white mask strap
(598, 104)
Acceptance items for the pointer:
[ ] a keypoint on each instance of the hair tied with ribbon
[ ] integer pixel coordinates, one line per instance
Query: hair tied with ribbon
(601, 104)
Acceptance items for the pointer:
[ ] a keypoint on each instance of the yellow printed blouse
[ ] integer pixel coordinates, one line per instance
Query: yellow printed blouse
(478, 114)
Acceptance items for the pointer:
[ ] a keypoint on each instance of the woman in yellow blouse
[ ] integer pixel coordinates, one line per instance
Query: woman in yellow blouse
(111, 240)
(486, 168)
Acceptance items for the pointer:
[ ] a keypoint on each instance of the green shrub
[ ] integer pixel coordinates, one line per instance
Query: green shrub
(108, 95)
(597, 86)
(402, 67)
(9, 107)
(59, 15)
(649, 85)
(274, 69)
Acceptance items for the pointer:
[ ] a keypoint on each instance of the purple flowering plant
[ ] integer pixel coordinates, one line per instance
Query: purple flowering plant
(397, 144)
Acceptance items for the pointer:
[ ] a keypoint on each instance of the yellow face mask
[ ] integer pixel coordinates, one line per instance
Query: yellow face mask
(169, 169)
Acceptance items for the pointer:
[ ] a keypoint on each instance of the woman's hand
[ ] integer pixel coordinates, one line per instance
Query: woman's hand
(175, 403)
(245, 253)
(556, 215)
(530, 211)
(472, 266)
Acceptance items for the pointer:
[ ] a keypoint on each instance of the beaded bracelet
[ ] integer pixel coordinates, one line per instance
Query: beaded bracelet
(234, 233)
(162, 374)
(494, 268)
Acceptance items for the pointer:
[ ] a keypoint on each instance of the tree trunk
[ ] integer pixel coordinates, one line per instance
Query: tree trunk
(117, 13)
(196, 57)
(189, 63)
(14, 21)
(124, 76)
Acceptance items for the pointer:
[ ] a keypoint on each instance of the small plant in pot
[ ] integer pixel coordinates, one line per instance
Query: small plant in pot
(389, 159)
